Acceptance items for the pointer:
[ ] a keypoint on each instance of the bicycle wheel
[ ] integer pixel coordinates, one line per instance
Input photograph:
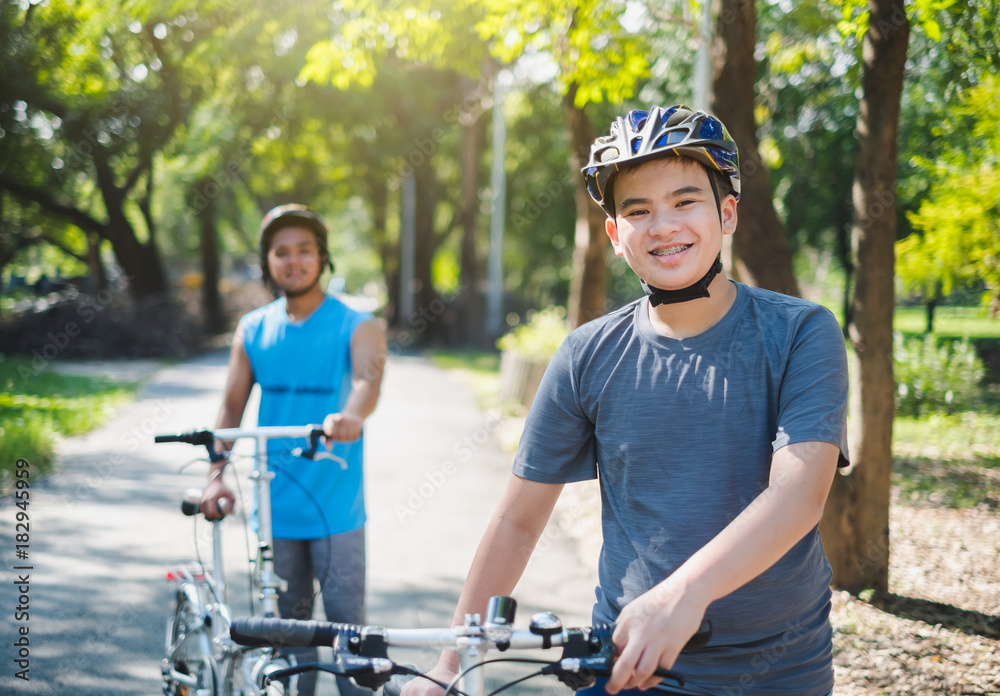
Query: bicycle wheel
(190, 667)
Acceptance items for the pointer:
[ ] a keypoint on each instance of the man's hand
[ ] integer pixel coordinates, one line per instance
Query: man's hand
(650, 633)
(217, 500)
(342, 427)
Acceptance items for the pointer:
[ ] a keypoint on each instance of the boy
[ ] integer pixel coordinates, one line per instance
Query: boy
(316, 360)
(713, 415)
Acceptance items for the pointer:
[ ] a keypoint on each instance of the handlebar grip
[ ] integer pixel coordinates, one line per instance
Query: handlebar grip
(258, 632)
(195, 437)
(168, 438)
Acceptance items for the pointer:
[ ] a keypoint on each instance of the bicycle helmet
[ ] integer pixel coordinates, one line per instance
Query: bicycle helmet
(291, 215)
(645, 135)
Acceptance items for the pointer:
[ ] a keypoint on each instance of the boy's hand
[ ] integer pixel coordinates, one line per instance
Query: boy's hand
(342, 427)
(444, 671)
(650, 633)
(216, 501)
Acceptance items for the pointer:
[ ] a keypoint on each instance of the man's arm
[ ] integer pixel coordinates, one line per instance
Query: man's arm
(368, 358)
(500, 559)
(239, 383)
(654, 627)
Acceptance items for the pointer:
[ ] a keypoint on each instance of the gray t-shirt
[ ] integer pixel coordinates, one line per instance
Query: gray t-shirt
(681, 433)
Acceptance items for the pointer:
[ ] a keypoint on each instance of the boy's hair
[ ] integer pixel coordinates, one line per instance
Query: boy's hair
(642, 136)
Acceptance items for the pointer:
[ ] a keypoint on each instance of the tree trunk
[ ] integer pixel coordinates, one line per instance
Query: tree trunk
(98, 276)
(211, 301)
(587, 288)
(378, 194)
(760, 250)
(140, 262)
(847, 263)
(427, 306)
(468, 304)
(855, 527)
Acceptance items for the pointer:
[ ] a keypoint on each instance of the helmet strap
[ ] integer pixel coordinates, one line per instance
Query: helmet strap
(699, 289)
(658, 296)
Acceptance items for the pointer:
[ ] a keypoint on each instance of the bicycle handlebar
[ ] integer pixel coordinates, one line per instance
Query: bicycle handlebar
(261, 632)
(361, 652)
(207, 438)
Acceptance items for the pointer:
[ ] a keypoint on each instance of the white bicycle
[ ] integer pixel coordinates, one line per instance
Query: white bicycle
(201, 657)
(361, 652)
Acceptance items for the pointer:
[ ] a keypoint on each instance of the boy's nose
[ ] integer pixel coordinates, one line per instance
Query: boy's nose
(663, 224)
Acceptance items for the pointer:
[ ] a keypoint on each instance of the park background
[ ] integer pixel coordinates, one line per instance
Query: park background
(141, 142)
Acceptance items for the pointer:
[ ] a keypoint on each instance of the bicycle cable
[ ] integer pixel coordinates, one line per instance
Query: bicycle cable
(278, 468)
(325, 667)
(522, 660)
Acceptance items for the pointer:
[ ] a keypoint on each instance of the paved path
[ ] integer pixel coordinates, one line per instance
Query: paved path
(104, 530)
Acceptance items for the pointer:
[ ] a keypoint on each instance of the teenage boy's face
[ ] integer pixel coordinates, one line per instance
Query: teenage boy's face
(293, 260)
(666, 224)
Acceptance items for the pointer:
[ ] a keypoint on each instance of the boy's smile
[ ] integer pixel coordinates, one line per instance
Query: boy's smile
(667, 226)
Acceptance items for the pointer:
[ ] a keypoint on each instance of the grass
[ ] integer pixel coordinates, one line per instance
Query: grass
(37, 407)
(948, 461)
(973, 322)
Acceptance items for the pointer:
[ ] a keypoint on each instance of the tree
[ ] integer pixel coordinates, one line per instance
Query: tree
(596, 58)
(957, 238)
(92, 100)
(417, 62)
(855, 526)
(762, 255)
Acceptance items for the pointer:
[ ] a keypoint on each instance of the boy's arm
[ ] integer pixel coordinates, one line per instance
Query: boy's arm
(500, 559)
(652, 629)
(239, 383)
(368, 358)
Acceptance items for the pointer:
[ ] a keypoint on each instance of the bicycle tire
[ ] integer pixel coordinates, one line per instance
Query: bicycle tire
(190, 667)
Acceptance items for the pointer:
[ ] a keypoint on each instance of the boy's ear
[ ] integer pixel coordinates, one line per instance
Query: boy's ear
(729, 214)
(612, 229)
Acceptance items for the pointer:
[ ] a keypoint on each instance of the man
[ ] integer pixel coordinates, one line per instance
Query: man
(316, 360)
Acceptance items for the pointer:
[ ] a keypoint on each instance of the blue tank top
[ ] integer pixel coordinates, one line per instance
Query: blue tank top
(304, 373)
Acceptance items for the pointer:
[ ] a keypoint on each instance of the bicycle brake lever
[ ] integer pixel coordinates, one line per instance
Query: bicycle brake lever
(314, 437)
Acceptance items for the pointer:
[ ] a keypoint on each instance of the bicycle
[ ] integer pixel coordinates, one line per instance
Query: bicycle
(201, 657)
(361, 652)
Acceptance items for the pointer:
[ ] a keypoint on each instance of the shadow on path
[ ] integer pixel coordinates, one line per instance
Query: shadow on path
(948, 616)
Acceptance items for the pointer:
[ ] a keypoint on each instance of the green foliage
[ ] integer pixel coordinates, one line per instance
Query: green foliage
(539, 337)
(935, 378)
(588, 43)
(39, 408)
(958, 224)
(855, 17)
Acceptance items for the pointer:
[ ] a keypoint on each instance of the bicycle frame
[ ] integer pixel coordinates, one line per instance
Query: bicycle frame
(223, 662)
